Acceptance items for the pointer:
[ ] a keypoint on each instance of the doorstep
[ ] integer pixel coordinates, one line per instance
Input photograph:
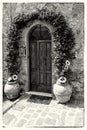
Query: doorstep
(40, 93)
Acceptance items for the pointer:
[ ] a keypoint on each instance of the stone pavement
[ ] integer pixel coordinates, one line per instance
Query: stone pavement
(34, 111)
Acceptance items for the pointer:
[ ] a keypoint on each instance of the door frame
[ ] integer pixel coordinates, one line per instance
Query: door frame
(30, 63)
(27, 36)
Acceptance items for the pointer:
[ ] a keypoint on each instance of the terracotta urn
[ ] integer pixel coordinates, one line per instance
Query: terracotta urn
(12, 89)
(62, 90)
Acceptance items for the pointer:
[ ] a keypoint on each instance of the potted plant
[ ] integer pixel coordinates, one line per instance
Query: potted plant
(62, 90)
(12, 88)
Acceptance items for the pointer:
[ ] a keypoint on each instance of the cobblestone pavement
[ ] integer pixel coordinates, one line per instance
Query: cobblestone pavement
(32, 111)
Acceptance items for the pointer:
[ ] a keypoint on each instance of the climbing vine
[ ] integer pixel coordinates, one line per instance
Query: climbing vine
(63, 38)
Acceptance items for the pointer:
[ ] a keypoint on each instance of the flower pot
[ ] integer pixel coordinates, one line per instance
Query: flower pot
(12, 90)
(62, 90)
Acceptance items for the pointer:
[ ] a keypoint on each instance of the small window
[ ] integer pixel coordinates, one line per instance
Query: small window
(40, 32)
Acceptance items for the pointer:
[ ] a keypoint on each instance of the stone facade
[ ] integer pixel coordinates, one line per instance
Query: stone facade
(74, 14)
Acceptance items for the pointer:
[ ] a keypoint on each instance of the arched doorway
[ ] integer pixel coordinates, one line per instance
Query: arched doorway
(40, 59)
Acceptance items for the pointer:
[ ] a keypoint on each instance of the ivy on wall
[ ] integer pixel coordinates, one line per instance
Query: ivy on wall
(62, 34)
(13, 59)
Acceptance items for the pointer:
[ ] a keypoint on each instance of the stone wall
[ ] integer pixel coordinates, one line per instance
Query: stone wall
(74, 14)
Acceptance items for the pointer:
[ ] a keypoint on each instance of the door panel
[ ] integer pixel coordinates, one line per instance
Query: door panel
(42, 78)
(48, 79)
(33, 55)
(40, 66)
(42, 56)
(48, 56)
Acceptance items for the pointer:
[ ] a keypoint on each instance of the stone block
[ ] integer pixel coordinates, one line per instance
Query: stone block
(31, 122)
(69, 119)
(27, 116)
(39, 110)
(43, 114)
(8, 118)
(53, 115)
(35, 115)
(39, 121)
(18, 107)
(21, 123)
(62, 117)
(31, 110)
(79, 120)
(77, 8)
(49, 122)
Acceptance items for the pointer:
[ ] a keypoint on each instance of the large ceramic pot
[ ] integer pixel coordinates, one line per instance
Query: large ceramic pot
(12, 90)
(62, 90)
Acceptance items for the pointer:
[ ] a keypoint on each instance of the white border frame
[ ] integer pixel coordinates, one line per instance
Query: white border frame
(85, 51)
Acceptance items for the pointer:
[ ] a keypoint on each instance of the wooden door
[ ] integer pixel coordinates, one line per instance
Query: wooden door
(40, 66)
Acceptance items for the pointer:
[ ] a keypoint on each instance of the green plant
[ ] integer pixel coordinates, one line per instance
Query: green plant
(13, 59)
(64, 42)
